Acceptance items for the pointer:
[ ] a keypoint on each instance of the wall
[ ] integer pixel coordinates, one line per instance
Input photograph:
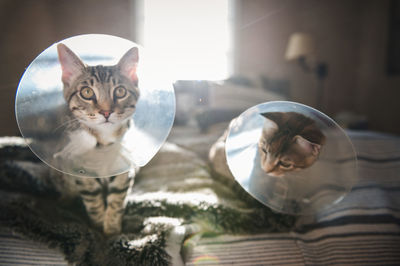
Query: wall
(378, 94)
(28, 27)
(352, 38)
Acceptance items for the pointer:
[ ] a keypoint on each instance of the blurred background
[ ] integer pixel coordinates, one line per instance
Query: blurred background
(341, 57)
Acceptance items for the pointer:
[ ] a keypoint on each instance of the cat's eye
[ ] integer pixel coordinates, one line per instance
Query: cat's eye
(285, 164)
(265, 149)
(87, 93)
(119, 92)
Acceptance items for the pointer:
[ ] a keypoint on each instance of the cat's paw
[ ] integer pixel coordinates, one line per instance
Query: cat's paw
(174, 242)
(112, 229)
(112, 223)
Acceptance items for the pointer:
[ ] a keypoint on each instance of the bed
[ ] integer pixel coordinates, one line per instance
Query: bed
(362, 229)
(182, 212)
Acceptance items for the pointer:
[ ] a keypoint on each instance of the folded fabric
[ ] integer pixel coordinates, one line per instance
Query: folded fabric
(362, 229)
(174, 196)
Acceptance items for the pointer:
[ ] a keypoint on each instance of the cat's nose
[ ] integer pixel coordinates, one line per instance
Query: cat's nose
(106, 114)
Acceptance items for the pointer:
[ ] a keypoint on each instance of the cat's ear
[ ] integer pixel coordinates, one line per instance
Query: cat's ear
(71, 65)
(269, 128)
(128, 64)
(307, 147)
(276, 117)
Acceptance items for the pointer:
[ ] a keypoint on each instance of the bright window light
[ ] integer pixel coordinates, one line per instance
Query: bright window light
(191, 39)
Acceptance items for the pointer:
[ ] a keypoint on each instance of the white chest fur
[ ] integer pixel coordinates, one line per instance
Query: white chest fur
(80, 142)
(84, 140)
(106, 133)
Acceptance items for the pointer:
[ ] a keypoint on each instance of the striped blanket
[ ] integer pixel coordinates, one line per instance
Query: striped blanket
(15, 250)
(363, 229)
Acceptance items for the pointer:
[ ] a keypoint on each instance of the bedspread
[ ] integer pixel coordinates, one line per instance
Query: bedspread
(181, 212)
(362, 229)
(175, 197)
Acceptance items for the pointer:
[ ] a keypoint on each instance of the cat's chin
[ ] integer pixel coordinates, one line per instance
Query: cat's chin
(272, 173)
(101, 122)
(276, 174)
(109, 123)
(99, 125)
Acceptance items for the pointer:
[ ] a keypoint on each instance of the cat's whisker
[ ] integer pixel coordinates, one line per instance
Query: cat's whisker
(66, 124)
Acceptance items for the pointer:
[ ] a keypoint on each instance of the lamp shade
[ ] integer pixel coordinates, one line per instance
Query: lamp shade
(300, 45)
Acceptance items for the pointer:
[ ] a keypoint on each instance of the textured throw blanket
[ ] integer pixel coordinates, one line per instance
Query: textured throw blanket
(176, 201)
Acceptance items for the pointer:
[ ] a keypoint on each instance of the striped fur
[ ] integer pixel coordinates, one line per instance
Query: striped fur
(104, 200)
(102, 100)
(290, 141)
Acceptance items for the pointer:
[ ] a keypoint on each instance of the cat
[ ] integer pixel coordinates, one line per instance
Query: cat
(101, 100)
(289, 141)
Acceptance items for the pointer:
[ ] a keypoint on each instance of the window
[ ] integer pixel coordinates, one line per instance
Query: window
(189, 39)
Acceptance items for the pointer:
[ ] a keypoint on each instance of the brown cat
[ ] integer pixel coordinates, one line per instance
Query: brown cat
(290, 141)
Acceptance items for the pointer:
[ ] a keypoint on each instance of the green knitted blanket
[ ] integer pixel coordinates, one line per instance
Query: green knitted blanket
(176, 199)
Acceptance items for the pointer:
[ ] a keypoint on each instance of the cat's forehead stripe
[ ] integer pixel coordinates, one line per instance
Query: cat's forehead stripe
(110, 75)
(93, 74)
(102, 74)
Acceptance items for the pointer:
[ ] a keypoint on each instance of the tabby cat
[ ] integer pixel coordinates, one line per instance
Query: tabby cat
(102, 100)
(289, 141)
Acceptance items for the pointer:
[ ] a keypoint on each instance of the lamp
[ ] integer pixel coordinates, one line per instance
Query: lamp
(301, 47)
